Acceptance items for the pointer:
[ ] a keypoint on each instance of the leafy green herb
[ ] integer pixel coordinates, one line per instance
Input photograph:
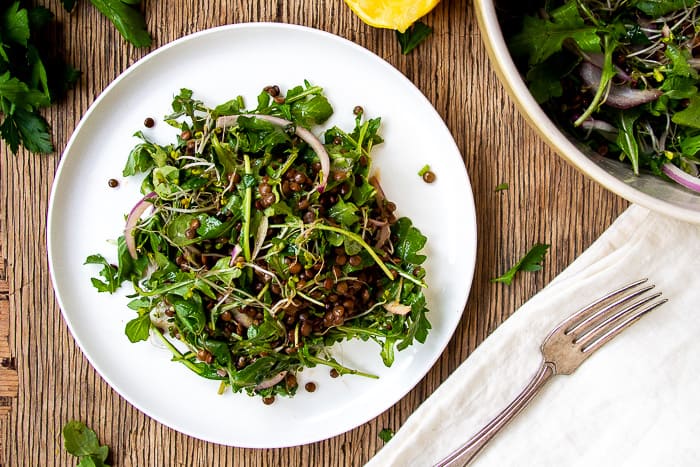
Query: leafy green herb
(29, 80)
(386, 434)
(249, 261)
(501, 187)
(532, 261)
(125, 16)
(620, 76)
(82, 442)
(109, 273)
(413, 36)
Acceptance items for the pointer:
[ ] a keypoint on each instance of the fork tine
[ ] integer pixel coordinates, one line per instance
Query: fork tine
(624, 324)
(605, 320)
(582, 317)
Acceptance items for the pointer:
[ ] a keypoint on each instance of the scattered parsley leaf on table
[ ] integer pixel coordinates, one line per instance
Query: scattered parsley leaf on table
(27, 81)
(502, 186)
(532, 261)
(82, 442)
(386, 434)
(125, 16)
(413, 36)
(128, 20)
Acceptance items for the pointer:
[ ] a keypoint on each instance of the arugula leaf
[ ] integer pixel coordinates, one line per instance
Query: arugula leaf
(109, 272)
(541, 38)
(138, 329)
(127, 19)
(532, 261)
(413, 36)
(409, 241)
(82, 442)
(627, 140)
(690, 116)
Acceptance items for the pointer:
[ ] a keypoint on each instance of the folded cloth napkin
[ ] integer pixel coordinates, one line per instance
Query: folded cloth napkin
(635, 402)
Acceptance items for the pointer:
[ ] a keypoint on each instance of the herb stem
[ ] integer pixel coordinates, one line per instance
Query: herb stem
(358, 239)
(247, 205)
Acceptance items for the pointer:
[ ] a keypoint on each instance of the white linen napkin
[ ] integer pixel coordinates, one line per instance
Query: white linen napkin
(635, 402)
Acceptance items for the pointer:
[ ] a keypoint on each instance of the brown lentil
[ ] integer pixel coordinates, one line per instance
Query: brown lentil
(310, 387)
(429, 177)
(113, 182)
(149, 122)
(268, 400)
(334, 373)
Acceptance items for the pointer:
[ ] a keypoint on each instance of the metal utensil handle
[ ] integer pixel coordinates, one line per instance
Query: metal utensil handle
(465, 453)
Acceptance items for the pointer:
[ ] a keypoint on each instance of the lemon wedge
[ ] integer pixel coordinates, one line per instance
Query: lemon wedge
(391, 14)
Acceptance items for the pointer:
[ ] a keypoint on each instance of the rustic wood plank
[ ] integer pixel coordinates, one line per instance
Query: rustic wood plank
(547, 202)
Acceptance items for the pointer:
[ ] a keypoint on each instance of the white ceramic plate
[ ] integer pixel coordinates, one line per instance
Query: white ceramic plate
(86, 216)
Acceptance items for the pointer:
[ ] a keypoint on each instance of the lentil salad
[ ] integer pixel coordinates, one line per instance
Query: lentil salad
(265, 245)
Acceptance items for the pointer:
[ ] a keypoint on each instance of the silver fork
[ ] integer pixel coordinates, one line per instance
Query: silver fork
(565, 348)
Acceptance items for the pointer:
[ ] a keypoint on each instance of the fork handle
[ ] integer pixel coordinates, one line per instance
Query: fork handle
(466, 453)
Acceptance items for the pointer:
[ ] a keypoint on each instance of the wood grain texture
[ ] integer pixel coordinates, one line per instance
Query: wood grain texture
(547, 202)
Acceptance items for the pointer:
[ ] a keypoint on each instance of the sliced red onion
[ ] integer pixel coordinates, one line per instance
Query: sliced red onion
(681, 177)
(234, 254)
(242, 318)
(599, 125)
(397, 308)
(133, 218)
(599, 61)
(301, 132)
(268, 383)
(619, 97)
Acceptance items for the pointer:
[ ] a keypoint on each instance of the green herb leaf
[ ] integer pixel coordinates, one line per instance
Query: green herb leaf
(425, 169)
(540, 38)
(413, 36)
(655, 8)
(501, 187)
(128, 20)
(109, 273)
(138, 329)
(28, 129)
(386, 434)
(15, 24)
(409, 241)
(82, 442)
(690, 116)
(532, 261)
(627, 140)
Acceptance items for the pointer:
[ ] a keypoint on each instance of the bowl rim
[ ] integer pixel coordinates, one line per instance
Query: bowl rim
(510, 78)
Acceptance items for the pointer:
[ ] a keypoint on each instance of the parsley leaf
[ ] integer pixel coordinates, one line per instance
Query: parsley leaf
(127, 19)
(386, 434)
(82, 442)
(15, 24)
(28, 129)
(413, 36)
(502, 186)
(532, 261)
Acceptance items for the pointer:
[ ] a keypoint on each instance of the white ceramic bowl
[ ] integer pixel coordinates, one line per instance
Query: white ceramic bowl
(647, 190)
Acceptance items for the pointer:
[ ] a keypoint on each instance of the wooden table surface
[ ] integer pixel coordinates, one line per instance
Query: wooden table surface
(46, 381)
